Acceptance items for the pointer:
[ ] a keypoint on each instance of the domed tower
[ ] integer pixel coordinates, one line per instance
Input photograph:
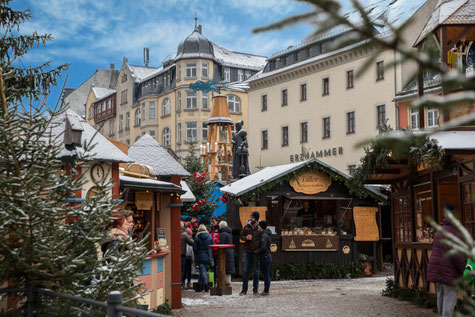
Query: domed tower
(195, 46)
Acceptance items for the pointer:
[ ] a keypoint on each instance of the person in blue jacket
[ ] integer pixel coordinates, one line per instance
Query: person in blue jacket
(203, 256)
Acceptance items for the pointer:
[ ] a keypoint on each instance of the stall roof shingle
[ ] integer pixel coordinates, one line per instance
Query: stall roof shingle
(145, 183)
(149, 152)
(188, 196)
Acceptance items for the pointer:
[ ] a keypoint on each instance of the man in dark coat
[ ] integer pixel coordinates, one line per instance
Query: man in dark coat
(264, 255)
(226, 237)
(443, 271)
(251, 235)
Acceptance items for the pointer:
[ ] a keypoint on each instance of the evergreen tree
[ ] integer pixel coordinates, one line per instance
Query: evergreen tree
(200, 185)
(46, 242)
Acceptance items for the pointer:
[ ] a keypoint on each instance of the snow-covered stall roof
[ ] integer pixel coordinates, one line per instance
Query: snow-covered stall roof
(149, 152)
(102, 150)
(455, 140)
(449, 12)
(188, 196)
(100, 92)
(150, 184)
(237, 59)
(270, 174)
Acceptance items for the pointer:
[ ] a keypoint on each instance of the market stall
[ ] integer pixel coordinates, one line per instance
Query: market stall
(311, 212)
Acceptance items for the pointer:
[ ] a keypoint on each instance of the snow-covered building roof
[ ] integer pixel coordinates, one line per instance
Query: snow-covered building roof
(141, 72)
(270, 174)
(100, 92)
(449, 12)
(149, 184)
(149, 152)
(101, 148)
(239, 60)
(188, 196)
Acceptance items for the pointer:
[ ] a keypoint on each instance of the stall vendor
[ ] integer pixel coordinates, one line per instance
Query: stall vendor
(306, 215)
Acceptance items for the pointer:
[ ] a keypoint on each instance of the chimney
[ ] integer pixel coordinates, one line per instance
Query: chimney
(112, 66)
(200, 29)
(146, 52)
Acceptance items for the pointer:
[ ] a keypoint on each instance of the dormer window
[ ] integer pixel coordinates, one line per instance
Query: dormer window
(227, 74)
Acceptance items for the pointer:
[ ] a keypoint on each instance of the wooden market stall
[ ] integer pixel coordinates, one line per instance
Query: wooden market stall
(337, 228)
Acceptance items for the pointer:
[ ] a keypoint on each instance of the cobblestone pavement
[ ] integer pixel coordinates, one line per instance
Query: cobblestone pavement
(351, 297)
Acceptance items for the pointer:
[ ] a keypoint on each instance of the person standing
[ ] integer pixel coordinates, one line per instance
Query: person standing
(264, 255)
(185, 240)
(227, 238)
(117, 233)
(215, 233)
(251, 235)
(443, 271)
(189, 259)
(129, 217)
(307, 215)
(203, 256)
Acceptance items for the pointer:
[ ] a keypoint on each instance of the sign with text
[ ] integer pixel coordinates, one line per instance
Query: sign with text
(144, 200)
(161, 233)
(311, 183)
(365, 223)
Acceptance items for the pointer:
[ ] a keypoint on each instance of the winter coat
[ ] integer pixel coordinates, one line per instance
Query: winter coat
(440, 269)
(185, 239)
(264, 244)
(250, 246)
(227, 238)
(112, 241)
(201, 248)
(215, 234)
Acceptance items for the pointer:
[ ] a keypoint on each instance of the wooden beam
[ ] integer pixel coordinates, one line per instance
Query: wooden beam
(459, 37)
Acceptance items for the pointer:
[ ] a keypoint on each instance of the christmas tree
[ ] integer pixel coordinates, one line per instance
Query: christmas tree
(46, 242)
(200, 185)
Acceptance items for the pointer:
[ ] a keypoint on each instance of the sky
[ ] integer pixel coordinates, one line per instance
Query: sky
(92, 34)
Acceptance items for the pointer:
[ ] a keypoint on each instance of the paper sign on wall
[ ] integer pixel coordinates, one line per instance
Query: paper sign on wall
(365, 223)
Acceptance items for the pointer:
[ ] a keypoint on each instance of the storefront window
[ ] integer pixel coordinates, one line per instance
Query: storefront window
(468, 206)
(423, 208)
(402, 219)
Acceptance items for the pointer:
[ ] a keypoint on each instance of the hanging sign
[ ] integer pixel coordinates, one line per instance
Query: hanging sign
(144, 200)
(311, 183)
(365, 223)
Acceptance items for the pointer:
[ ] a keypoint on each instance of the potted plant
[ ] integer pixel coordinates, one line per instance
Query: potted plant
(367, 269)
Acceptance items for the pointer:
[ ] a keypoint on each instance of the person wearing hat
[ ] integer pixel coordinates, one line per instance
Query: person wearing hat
(444, 270)
(251, 235)
(264, 255)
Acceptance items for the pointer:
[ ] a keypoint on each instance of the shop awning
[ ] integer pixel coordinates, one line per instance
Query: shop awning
(270, 174)
(188, 196)
(148, 184)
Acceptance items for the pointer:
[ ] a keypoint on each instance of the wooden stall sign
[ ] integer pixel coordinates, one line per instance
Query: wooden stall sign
(144, 200)
(310, 243)
(245, 213)
(311, 183)
(365, 223)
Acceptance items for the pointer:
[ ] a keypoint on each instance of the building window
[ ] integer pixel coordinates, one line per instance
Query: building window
(204, 70)
(432, 117)
(240, 75)
(123, 96)
(414, 119)
(109, 106)
(166, 137)
(191, 70)
(152, 133)
(381, 114)
(103, 107)
(137, 118)
(380, 70)
(350, 122)
(303, 132)
(227, 74)
(190, 100)
(349, 79)
(285, 136)
(178, 133)
(112, 126)
(151, 110)
(178, 104)
(121, 123)
(326, 127)
(351, 169)
(265, 140)
(191, 133)
(204, 131)
(166, 107)
(178, 71)
(143, 111)
(127, 121)
(326, 86)
(264, 103)
(234, 103)
(247, 74)
(303, 92)
(204, 101)
(124, 78)
(284, 97)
